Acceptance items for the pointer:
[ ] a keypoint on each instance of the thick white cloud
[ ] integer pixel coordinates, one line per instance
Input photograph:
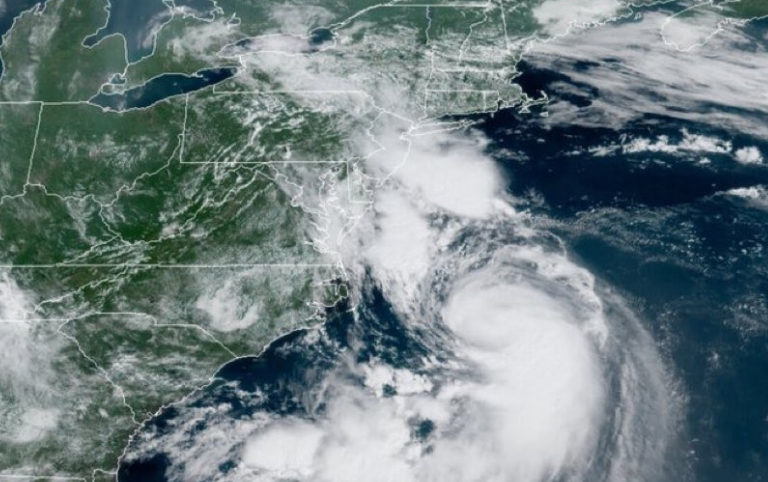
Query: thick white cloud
(448, 170)
(692, 27)
(756, 196)
(558, 17)
(544, 390)
(636, 73)
(285, 450)
(749, 155)
(401, 252)
(27, 377)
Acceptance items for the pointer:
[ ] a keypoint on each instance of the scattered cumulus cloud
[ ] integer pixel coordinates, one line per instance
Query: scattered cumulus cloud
(749, 155)
(689, 143)
(756, 196)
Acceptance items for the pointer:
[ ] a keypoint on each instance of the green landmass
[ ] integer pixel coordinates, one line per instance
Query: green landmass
(44, 59)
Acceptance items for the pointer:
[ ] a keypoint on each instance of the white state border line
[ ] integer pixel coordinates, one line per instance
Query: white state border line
(216, 93)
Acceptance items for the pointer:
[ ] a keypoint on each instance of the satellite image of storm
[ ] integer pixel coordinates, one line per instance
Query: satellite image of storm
(384, 241)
